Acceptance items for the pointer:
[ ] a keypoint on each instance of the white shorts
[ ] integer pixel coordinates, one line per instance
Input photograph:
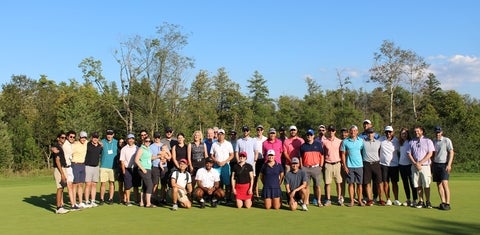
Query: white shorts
(421, 178)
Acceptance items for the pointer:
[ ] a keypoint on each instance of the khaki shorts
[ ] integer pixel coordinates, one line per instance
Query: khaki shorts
(58, 177)
(107, 175)
(421, 178)
(333, 171)
(68, 171)
(181, 197)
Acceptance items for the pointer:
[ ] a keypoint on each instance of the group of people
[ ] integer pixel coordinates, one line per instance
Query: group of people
(220, 169)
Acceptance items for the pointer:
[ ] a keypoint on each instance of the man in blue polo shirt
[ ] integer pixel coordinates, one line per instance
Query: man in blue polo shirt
(352, 161)
(110, 149)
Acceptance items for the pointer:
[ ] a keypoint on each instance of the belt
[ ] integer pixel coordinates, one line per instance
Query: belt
(77, 163)
(66, 166)
(371, 163)
(312, 166)
(332, 163)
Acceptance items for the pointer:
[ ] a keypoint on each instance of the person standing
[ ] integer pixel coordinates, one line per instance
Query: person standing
(389, 157)
(405, 168)
(420, 151)
(127, 165)
(197, 153)
(333, 165)
(118, 172)
(210, 139)
(59, 173)
(371, 167)
(242, 181)
(143, 160)
(260, 138)
(271, 176)
(311, 161)
(321, 133)
(291, 147)
(273, 143)
(442, 166)
(352, 162)
(92, 170)
(179, 151)
(68, 150)
(248, 145)
(296, 186)
(110, 150)
(156, 148)
(181, 182)
(222, 154)
(79, 150)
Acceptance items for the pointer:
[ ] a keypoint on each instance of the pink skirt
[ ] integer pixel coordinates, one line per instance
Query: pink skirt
(242, 192)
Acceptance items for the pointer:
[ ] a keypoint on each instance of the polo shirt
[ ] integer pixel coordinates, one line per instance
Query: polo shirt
(248, 145)
(389, 151)
(208, 178)
(331, 149)
(295, 179)
(371, 150)
(127, 155)
(92, 158)
(110, 150)
(79, 151)
(277, 146)
(420, 147)
(353, 149)
(292, 147)
(311, 154)
(442, 147)
(221, 151)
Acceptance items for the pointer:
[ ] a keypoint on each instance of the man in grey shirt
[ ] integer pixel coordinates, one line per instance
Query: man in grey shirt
(371, 166)
(442, 165)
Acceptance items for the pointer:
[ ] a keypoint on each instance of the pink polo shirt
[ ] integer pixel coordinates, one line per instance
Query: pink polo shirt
(331, 149)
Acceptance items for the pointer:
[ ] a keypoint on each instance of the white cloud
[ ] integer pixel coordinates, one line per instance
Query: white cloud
(457, 72)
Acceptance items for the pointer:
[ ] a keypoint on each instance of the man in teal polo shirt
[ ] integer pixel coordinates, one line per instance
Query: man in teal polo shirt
(110, 149)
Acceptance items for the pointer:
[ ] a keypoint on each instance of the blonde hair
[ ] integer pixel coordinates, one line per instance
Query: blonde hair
(200, 133)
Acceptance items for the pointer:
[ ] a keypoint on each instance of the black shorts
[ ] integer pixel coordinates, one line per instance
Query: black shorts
(389, 173)
(372, 171)
(439, 172)
(136, 179)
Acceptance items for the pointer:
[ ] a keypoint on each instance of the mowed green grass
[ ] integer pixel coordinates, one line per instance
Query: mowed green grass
(27, 206)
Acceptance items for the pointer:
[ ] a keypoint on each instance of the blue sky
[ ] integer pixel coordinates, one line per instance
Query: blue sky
(284, 40)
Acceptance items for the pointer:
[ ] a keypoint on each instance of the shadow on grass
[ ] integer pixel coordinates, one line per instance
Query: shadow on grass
(442, 226)
(46, 202)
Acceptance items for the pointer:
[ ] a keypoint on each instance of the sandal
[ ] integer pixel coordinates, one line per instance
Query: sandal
(151, 206)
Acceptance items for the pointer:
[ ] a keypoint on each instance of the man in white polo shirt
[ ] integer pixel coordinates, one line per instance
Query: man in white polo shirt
(208, 184)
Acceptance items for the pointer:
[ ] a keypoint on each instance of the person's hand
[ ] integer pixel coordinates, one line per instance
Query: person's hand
(418, 165)
(250, 192)
(448, 169)
(234, 191)
(144, 171)
(345, 169)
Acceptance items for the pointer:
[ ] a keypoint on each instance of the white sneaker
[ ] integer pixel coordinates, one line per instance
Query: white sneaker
(93, 204)
(61, 210)
(174, 207)
(397, 203)
(82, 205)
(304, 207)
(389, 202)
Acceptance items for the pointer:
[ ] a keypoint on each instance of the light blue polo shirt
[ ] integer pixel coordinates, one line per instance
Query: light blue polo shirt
(354, 150)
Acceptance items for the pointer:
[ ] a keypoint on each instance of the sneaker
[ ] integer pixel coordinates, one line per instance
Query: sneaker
(340, 202)
(82, 205)
(214, 203)
(61, 210)
(446, 207)
(420, 204)
(128, 204)
(315, 202)
(369, 203)
(414, 204)
(110, 202)
(174, 207)
(93, 204)
(389, 202)
(383, 203)
(304, 207)
(101, 202)
(428, 205)
(300, 202)
(407, 203)
(397, 203)
(202, 203)
(74, 208)
(327, 203)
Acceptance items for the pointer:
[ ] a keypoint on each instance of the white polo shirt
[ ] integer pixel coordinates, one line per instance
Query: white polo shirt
(221, 151)
(208, 178)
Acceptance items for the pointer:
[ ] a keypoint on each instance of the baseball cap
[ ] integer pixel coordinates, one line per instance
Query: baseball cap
(83, 134)
(183, 160)
(242, 154)
(260, 126)
(130, 136)
(209, 159)
(310, 132)
(221, 131)
(110, 132)
(388, 128)
(272, 130)
(282, 128)
(271, 152)
(95, 135)
(437, 129)
(295, 160)
(367, 121)
(332, 128)
(245, 128)
(321, 126)
(233, 132)
(157, 134)
(293, 128)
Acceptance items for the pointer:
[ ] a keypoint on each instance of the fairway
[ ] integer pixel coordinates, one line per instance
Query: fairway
(28, 203)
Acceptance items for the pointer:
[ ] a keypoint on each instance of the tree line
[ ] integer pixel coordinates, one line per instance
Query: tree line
(151, 93)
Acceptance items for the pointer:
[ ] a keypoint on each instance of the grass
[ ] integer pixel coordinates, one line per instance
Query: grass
(28, 202)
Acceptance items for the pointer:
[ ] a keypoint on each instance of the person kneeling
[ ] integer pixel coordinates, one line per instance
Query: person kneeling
(181, 181)
(296, 186)
(208, 184)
